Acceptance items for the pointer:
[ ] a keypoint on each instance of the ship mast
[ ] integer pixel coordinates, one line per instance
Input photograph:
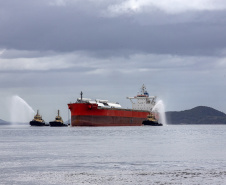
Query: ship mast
(143, 88)
(81, 95)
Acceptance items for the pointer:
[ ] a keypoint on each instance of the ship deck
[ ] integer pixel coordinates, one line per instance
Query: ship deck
(122, 109)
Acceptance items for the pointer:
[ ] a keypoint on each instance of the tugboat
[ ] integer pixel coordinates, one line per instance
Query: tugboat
(58, 122)
(151, 120)
(37, 121)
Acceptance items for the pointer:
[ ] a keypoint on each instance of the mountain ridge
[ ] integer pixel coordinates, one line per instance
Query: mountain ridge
(196, 115)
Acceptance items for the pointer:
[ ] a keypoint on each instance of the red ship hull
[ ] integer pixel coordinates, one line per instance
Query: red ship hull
(86, 114)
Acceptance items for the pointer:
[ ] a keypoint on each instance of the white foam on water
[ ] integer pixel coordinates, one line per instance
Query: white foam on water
(160, 108)
(20, 111)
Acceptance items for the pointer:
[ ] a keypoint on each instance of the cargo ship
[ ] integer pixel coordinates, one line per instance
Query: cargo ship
(87, 112)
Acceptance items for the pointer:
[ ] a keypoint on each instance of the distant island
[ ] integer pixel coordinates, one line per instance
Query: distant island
(2, 122)
(198, 115)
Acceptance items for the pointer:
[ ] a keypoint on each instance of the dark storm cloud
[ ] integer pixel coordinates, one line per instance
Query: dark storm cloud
(77, 26)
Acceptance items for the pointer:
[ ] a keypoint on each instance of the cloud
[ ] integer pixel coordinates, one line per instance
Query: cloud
(167, 6)
(57, 3)
(16, 60)
(79, 25)
(2, 51)
(28, 64)
(33, 64)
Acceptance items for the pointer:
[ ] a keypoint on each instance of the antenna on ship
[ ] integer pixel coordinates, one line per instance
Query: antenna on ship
(81, 95)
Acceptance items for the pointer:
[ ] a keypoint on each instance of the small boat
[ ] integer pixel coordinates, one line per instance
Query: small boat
(151, 121)
(58, 122)
(38, 121)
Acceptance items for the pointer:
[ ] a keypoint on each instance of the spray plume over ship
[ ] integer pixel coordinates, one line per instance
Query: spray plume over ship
(87, 112)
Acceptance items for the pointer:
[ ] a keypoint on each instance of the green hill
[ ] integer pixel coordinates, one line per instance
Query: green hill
(197, 115)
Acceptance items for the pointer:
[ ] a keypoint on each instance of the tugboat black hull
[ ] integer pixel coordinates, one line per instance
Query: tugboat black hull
(37, 123)
(57, 124)
(151, 123)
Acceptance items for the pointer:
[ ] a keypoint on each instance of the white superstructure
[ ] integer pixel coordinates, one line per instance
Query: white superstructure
(143, 101)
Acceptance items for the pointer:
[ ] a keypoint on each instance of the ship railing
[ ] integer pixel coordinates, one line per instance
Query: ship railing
(143, 97)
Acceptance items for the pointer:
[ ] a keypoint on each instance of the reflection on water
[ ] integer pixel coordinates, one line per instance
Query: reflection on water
(113, 155)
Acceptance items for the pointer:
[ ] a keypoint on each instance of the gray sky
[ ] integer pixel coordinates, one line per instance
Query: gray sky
(50, 50)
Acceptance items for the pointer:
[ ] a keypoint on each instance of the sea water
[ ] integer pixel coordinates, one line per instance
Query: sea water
(194, 154)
